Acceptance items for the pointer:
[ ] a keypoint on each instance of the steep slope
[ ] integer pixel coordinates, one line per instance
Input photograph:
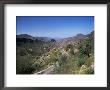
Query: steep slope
(72, 55)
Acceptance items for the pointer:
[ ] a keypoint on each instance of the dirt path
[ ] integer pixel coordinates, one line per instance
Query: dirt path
(48, 70)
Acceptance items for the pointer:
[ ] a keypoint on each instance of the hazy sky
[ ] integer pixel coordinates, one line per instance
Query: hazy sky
(54, 26)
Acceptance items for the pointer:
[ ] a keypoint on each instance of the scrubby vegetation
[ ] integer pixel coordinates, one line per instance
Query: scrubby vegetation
(75, 57)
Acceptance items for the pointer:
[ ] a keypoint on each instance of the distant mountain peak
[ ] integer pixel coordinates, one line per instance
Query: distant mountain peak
(24, 36)
(80, 35)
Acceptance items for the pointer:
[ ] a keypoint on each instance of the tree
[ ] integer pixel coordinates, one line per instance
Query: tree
(86, 47)
(36, 40)
(69, 47)
(53, 40)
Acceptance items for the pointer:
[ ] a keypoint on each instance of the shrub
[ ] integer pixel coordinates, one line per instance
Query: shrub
(24, 64)
(69, 46)
(36, 67)
(72, 51)
(62, 60)
(86, 47)
(53, 40)
(25, 68)
(80, 62)
(22, 52)
(89, 71)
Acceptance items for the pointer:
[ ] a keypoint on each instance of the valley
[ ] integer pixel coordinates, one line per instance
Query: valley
(45, 55)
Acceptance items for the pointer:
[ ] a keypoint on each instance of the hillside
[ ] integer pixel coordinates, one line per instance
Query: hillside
(43, 55)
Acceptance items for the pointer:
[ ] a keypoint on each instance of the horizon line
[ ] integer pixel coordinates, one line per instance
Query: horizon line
(54, 37)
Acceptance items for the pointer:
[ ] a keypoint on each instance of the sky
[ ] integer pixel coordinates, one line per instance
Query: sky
(54, 26)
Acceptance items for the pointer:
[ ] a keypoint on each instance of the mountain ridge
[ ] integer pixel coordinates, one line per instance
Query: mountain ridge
(68, 39)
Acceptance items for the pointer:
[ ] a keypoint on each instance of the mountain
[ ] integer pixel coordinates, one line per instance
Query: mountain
(24, 36)
(45, 39)
(29, 37)
(77, 38)
(72, 40)
(72, 55)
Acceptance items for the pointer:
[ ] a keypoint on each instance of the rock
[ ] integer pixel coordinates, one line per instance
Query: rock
(76, 51)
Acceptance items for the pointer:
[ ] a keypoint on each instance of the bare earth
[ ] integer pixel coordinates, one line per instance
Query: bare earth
(48, 70)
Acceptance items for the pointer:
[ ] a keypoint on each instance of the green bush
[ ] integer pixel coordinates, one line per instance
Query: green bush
(37, 67)
(81, 61)
(22, 52)
(24, 64)
(25, 68)
(86, 47)
(89, 71)
(69, 46)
